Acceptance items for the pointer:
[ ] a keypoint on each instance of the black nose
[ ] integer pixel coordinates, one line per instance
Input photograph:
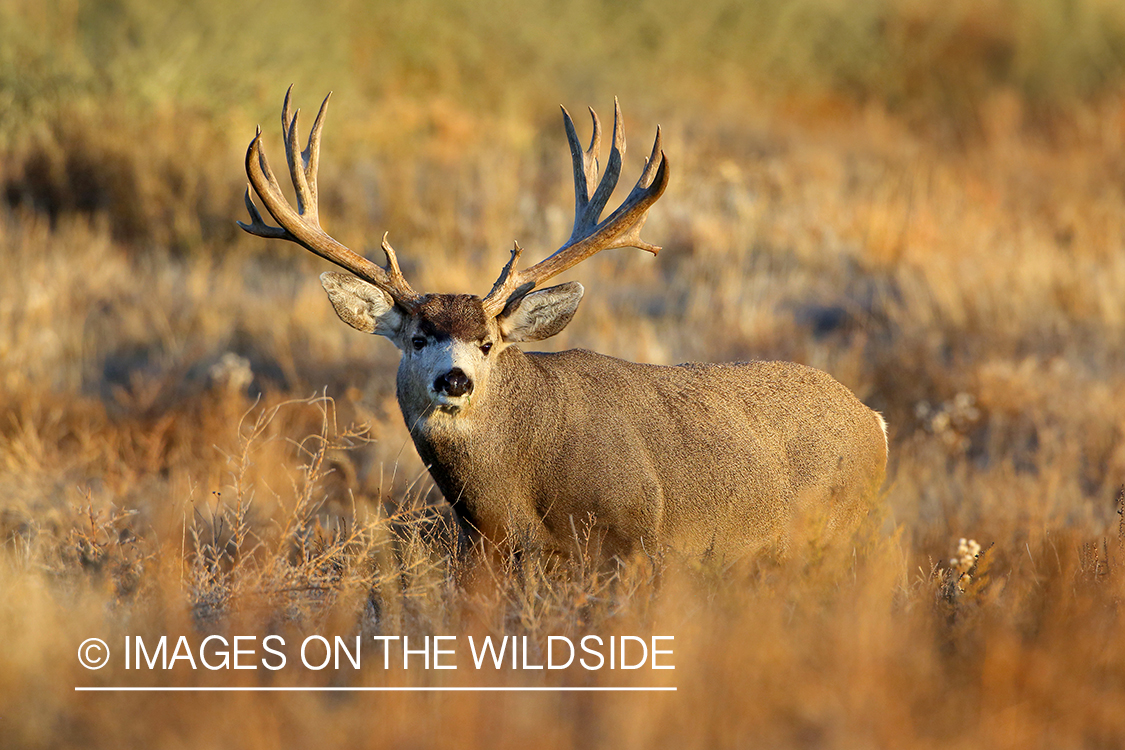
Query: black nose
(454, 383)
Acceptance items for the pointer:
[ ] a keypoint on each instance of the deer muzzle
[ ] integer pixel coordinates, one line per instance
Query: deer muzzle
(454, 383)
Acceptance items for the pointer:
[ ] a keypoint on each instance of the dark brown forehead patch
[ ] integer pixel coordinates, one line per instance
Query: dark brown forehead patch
(458, 316)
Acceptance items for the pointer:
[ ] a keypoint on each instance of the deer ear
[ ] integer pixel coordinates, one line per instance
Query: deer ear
(541, 314)
(363, 306)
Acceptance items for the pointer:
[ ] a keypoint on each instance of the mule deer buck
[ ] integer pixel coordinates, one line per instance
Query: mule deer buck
(701, 459)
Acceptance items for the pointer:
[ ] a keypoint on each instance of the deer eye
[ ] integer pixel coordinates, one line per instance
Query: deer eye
(485, 348)
(419, 343)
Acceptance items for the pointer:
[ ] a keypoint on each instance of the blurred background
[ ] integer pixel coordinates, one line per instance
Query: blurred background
(926, 198)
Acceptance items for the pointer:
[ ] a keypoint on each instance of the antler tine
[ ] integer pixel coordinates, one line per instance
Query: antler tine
(652, 163)
(311, 157)
(392, 269)
(303, 166)
(622, 228)
(293, 156)
(302, 226)
(609, 179)
(585, 163)
(257, 225)
(508, 284)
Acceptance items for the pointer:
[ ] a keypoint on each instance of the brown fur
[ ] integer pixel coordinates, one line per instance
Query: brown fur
(458, 316)
(702, 459)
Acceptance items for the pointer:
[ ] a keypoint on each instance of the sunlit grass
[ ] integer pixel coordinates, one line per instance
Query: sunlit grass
(925, 199)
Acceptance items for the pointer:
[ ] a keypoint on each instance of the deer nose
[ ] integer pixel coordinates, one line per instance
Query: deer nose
(454, 383)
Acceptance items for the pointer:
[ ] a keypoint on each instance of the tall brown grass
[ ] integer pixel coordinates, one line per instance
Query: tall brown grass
(925, 199)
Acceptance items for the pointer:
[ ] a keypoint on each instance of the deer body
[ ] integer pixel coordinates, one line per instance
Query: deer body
(568, 451)
(700, 459)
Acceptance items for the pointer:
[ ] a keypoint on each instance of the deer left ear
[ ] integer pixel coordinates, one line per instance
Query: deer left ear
(361, 305)
(541, 314)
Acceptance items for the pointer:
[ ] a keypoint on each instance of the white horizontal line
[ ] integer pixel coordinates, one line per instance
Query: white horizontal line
(165, 689)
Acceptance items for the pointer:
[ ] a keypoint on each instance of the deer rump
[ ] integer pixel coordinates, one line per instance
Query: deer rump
(579, 452)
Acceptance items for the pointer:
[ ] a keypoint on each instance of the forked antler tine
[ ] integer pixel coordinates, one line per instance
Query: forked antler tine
(292, 226)
(609, 179)
(298, 161)
(303, 165)
(303, 226)
(589, 202)
(585, 162)
(622, 228)
(631, 215)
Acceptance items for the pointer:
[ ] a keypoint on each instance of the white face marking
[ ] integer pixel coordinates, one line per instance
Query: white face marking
(446, 357)
(421, 368)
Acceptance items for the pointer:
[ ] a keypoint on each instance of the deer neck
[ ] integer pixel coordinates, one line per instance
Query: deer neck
(470, 455)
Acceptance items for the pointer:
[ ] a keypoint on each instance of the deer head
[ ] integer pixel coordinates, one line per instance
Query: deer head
(450, 342)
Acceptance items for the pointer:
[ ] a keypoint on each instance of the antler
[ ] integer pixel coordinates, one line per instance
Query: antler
(303, 225)
(622, 228)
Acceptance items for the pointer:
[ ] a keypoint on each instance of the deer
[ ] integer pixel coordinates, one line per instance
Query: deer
(556, 453)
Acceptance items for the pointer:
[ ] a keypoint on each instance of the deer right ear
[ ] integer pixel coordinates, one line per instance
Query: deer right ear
(541, 314)
(363, 306)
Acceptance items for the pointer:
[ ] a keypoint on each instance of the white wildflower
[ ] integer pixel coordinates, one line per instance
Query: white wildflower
(966, 556)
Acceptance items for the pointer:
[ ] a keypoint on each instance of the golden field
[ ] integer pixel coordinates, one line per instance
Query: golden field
(925, 199)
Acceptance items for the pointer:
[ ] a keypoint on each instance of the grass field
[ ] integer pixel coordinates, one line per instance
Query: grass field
(925, 199)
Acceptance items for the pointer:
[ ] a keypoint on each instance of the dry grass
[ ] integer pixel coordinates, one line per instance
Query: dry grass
(925, 199)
